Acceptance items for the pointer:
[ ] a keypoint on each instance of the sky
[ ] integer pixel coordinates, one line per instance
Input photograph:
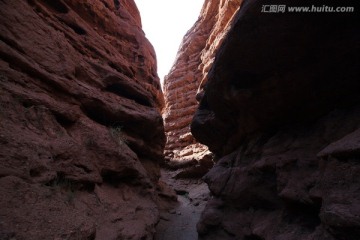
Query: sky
(165, 22)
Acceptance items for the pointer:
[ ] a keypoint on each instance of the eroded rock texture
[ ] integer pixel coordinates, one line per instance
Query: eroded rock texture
(281, 112)
(81, 134)
(195, 56)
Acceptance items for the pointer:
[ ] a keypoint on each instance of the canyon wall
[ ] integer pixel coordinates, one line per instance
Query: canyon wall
(281, 112)
(195, 56)
(81, 133)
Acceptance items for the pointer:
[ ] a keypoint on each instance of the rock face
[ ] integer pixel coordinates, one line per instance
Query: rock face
(81, 133)
(195, 56)
(281, 112)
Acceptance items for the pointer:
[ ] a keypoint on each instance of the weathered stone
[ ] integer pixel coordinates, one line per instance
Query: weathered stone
(281, 111)
(81, 135)
(194, 58)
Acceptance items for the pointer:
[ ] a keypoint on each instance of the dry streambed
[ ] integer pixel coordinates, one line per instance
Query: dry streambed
(180, 222)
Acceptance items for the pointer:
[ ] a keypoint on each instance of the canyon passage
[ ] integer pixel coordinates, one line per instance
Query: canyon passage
(255, 134)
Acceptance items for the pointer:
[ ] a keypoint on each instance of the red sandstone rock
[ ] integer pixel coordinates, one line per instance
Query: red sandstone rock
(80, 132)
(281, 110)
(195, 56)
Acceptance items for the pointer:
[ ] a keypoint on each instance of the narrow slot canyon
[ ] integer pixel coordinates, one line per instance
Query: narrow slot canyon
(253, 135)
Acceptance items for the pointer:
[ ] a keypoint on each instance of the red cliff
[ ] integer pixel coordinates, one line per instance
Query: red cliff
(281, 111)
(194, 58)
(81, 133)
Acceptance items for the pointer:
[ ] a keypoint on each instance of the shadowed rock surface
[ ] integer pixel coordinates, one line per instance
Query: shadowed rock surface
(281, 113)
(81, 133)
(194, 58)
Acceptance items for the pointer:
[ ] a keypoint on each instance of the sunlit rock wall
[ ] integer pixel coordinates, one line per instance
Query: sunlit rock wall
(194, 58)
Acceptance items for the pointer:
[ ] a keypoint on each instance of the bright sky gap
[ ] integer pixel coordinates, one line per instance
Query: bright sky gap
(165, 22)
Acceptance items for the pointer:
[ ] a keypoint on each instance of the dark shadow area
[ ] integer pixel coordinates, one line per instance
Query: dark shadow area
(124, 91)
(64, 121)
(57, 6)
(115, 178)
(253, 237)
(301, 214)
(77, 29)
(117, 4)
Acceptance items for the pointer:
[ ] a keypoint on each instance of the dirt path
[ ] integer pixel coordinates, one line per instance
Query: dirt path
(180, 223)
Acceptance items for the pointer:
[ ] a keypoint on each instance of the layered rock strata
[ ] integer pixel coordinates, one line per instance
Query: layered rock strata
(195, 56)
(81, 133)
(281, 111)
